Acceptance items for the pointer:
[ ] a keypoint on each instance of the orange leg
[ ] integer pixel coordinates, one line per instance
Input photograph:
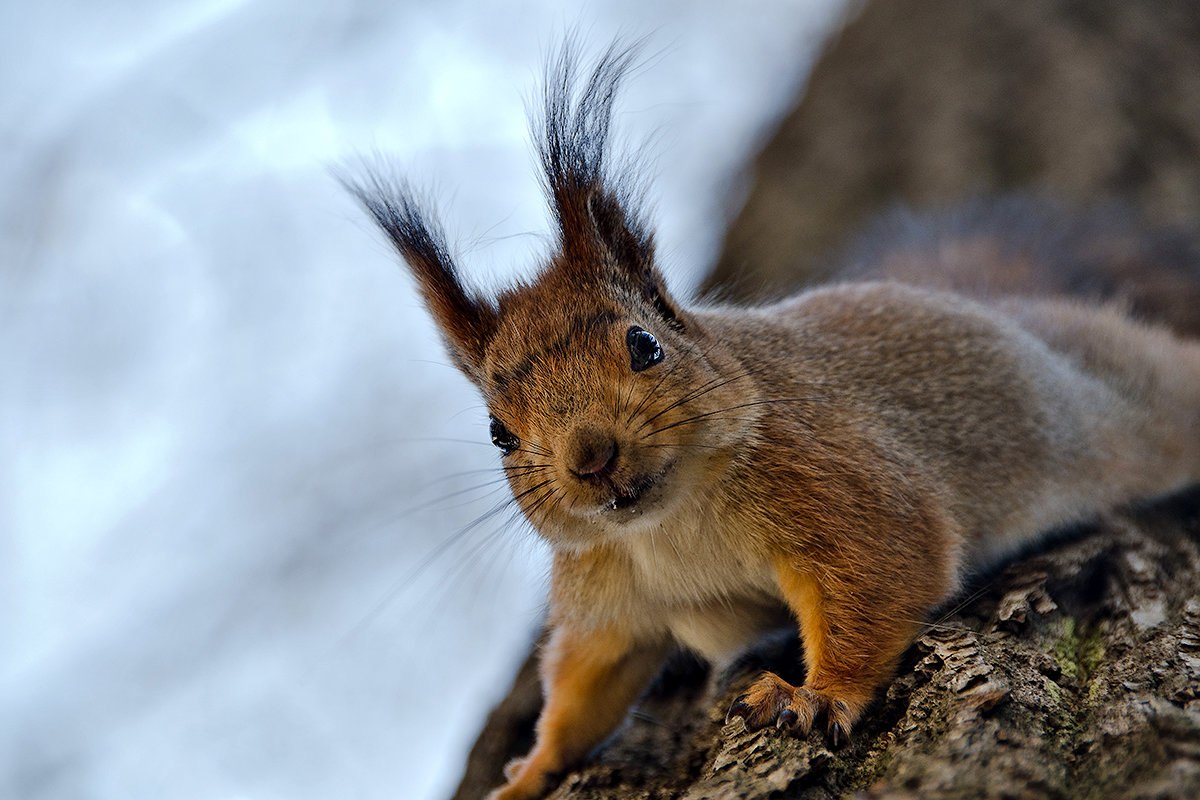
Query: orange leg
(590, 681)
(851, 645)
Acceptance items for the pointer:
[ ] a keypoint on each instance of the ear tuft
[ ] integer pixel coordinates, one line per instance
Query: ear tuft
(621, 238)
(596, 205)
(630, 256)
(589, 196)
(467, 321)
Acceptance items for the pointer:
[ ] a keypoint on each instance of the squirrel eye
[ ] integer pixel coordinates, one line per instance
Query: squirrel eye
(644, 349)
(503, 438)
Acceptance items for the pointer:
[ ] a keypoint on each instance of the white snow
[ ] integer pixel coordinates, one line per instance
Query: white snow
(225, 420)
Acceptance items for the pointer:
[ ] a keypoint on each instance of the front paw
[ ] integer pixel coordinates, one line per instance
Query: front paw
(771, 699)
(510, 792)
(513, 768)
(514, 791)
(524, 781)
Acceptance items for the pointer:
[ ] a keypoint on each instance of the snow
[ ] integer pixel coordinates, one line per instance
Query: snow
(237, 475)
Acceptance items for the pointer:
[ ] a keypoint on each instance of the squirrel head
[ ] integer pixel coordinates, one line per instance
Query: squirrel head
(605, 398)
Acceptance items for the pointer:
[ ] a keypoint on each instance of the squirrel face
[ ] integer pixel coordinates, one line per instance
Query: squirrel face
(609, 403)
(605, 410)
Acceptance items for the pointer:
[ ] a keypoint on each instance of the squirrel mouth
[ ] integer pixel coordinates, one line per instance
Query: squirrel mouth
(628, 497)
(622, 500)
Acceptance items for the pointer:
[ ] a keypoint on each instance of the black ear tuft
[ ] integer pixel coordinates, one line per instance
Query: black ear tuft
(467, 321)
(594, 201)
(620, 237)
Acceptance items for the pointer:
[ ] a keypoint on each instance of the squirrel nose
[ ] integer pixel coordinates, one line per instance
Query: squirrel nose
(593, 454)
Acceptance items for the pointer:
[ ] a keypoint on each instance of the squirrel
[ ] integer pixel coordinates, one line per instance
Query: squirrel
(841, 458)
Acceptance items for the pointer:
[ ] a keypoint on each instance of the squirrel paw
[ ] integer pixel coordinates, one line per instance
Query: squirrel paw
(513, 768)
(772, 699)
(523, 782)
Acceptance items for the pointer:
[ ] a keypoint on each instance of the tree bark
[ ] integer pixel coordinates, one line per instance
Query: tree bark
(927, 102)
(1075, 671)
(1072, 673)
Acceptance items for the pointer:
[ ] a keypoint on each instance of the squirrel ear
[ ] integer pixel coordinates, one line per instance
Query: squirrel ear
(594, 204)
(467, 321)
(628, 244)
(630, 253)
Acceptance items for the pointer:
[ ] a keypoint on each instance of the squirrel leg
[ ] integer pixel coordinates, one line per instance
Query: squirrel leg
(850, 649)
(590, 679)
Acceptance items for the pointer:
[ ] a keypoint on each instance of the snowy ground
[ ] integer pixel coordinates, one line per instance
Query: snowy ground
(230, 444)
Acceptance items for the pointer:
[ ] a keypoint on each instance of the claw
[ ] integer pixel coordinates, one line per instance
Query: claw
(838, 735)
(737, 708)
(792, 709)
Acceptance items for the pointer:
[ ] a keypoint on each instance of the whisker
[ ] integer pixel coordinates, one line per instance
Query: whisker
(516, 498)
(458, 493)
(460, 562)
(710, 386)
(970, 598)
(441, 439)
(533, 507)
(558, 498)
(683, 445)
(671, 541)
(698, 417)
(436, 553)
(521, 468)
(624, 404)
(536, 448)
(927, 625)
(463, 474)
(675, 365)
(517, 470)
(653, 393)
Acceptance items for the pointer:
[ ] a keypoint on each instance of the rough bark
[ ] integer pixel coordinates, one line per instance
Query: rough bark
(1072, 673)
(1075, 671)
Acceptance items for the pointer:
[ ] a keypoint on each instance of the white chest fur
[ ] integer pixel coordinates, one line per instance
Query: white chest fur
(714, 598)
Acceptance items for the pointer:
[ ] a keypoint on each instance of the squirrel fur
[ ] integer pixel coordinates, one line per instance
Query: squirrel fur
(844, 456)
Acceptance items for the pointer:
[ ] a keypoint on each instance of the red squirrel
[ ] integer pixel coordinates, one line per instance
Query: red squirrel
(846, 454)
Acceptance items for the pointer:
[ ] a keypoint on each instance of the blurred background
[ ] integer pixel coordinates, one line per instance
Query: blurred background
(238, 479)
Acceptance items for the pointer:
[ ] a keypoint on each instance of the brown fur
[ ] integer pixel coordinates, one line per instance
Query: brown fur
(846, 454)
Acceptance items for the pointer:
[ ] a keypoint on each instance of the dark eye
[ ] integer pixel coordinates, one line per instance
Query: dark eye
(644, 350)
(503, 438)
